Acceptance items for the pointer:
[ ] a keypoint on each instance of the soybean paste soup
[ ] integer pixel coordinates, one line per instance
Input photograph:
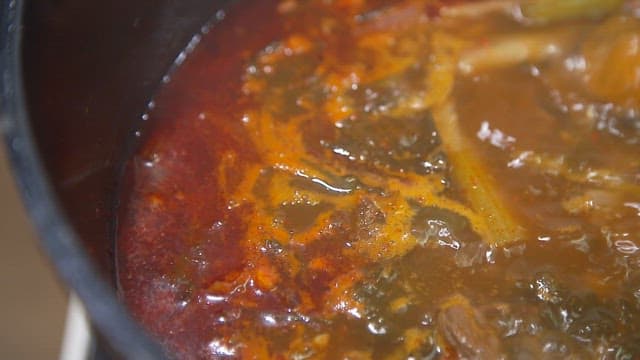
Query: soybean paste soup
(367, 179)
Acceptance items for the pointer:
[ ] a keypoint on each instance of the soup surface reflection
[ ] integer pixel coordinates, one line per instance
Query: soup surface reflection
(416, 179)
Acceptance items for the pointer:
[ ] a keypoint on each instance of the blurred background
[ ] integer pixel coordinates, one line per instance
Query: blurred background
(33, 302)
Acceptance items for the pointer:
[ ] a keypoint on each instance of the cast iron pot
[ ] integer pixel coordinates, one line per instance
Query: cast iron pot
(75, 77)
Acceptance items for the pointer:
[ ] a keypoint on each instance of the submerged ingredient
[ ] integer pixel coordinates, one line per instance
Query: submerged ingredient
(394, 179)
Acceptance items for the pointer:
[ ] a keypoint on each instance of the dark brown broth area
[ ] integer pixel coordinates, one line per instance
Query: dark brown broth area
(298, 199)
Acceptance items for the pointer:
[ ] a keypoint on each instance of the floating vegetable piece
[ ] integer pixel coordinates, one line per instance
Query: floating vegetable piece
(469, 173)
(466, 330)
(536, 11)
(478, 9)
(506, 50)
(557, 166)
(544, 11)
(479, 187)
(612, 56)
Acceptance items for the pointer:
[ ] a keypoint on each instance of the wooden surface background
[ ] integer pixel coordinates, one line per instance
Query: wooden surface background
(32, 300)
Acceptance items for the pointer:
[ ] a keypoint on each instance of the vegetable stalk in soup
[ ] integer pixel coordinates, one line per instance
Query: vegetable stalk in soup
(413, 179)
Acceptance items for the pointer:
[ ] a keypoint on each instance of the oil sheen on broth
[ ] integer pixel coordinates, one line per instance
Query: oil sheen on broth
(367, 179)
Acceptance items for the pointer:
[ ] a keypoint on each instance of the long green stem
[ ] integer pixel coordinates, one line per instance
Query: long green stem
(479, 187)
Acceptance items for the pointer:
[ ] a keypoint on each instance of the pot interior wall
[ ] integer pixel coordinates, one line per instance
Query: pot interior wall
(90, 68)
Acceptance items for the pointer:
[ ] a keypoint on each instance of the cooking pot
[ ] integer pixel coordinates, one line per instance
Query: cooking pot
(76, 75)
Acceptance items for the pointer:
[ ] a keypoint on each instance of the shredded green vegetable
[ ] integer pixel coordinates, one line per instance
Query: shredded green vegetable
(545, 11)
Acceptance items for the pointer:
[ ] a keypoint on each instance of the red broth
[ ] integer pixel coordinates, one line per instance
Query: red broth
(356, 179)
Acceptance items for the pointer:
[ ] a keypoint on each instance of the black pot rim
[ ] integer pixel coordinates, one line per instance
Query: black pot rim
(57, 237)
